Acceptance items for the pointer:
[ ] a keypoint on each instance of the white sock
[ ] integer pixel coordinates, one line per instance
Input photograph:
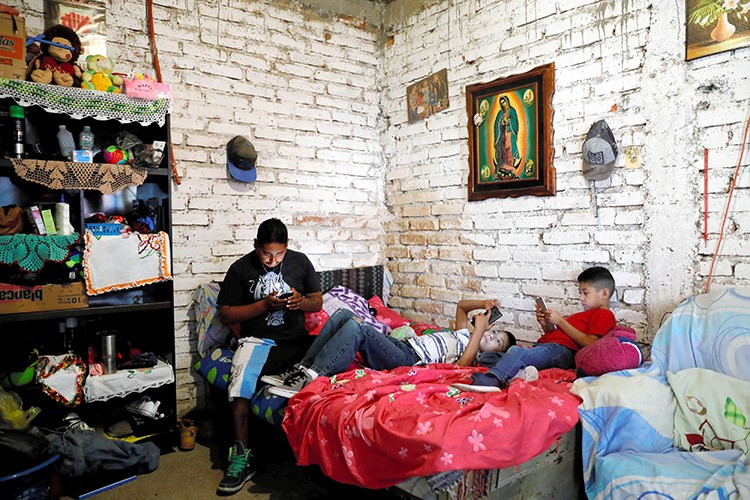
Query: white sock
(529, 374)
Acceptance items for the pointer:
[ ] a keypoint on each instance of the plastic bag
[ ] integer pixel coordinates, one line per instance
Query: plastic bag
(12, 413)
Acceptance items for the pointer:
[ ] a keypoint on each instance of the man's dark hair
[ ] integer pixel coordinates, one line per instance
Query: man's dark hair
(511, 339)
(600, 277)
(272, 231)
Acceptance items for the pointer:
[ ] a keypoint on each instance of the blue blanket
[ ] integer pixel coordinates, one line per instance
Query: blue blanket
(628, 416)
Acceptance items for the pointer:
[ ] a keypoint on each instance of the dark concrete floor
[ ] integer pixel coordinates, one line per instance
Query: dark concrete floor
(195, 474)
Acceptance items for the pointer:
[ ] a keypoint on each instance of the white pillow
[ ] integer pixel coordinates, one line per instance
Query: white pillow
(713, 410)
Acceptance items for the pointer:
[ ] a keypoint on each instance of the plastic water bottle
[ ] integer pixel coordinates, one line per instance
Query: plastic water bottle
(66, 142)
(19, 130)
(86, 138)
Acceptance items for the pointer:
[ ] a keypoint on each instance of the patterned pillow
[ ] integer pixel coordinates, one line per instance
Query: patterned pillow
(340, 296)
(713, 410)
(387, 316)
(211, 331)
(216, 367)
(314, 321)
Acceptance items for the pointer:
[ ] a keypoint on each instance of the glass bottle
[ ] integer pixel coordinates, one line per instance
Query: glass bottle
(66, 142)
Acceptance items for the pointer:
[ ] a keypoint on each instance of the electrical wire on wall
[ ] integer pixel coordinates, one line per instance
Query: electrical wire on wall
(157, 67)
(729, 201)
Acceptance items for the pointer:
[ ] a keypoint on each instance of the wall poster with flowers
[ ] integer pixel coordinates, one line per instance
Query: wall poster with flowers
(85, 17)
(715, 26)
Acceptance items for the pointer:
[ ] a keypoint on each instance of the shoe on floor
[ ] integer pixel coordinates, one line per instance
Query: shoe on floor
(240, 469)
(73, 421)
(278, 380)
(145, 408)
(529, 374)
(294, 383)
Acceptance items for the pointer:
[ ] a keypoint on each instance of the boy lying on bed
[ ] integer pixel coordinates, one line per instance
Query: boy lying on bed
(562, 337)
(344, 335)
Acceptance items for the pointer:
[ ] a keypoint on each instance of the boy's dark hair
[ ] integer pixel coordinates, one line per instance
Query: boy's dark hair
(600, 277)
(272, 231)
(511, 339)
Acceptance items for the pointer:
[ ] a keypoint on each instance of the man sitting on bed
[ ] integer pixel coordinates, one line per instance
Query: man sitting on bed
(344, 335)
(267, 291)
(562, 337)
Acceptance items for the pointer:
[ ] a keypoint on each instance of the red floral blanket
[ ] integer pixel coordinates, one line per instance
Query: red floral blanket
(376, 429)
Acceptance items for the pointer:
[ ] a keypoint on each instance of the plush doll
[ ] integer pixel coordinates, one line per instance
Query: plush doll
(56, 63)
(99, 75)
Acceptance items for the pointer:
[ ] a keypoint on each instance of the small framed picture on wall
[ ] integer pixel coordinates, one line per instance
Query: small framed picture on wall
(85, 17)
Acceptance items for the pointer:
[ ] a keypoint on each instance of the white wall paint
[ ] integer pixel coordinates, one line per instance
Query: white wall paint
(303, 86)
(618, 60)
(323, 100)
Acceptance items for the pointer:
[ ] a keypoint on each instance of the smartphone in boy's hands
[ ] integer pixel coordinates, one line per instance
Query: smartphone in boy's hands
(285, 295)
(495, 314)
(543, 307)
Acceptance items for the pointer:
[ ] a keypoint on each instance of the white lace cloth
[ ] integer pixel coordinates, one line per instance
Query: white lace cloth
(82, 103)
(125, 382)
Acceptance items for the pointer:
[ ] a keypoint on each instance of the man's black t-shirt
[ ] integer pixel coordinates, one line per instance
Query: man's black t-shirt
(248, 281)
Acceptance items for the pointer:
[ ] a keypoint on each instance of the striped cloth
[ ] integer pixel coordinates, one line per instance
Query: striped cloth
(440, 347)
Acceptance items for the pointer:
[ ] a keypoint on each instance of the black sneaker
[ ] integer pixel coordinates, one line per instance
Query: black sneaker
(240, 469)
(294, 383)
(278, 380)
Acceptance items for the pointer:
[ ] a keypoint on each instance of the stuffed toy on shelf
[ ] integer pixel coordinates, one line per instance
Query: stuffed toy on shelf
(99, 75)
(59, 49)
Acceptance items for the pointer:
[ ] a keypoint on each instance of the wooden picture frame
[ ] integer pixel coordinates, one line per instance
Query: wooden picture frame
(714, 26)
(523, 105)
(427, 96)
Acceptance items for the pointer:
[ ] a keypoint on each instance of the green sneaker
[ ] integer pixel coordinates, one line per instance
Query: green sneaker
(240, 470)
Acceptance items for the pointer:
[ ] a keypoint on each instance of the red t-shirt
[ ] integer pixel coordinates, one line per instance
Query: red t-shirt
(592, 322)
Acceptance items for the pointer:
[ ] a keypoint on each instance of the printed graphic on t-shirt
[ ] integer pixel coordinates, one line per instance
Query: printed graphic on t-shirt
(267, 284)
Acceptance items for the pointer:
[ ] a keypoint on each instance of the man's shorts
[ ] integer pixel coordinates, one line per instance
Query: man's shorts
(257, 357)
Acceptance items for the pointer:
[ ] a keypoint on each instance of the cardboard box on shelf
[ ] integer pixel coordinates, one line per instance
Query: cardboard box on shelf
(12, 47)
(21, 299)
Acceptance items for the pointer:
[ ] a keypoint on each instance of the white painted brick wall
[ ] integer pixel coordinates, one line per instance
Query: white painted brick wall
(614, 60)
(324, 104)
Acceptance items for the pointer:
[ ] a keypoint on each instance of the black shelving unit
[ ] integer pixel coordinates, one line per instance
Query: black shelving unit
(147, 325)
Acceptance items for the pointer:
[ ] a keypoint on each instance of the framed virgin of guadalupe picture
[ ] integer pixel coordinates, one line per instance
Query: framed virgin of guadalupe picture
(510, 135)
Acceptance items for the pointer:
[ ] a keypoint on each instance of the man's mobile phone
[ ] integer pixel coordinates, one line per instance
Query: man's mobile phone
(285, 295)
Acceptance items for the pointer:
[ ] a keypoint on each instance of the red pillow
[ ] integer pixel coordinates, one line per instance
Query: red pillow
(387, 316)
(314, 321)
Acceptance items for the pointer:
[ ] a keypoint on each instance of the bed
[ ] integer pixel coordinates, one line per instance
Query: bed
(377, 429)
(408, 428)
(676, 427)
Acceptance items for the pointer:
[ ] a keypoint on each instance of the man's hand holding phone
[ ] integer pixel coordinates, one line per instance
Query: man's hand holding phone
(280, 300)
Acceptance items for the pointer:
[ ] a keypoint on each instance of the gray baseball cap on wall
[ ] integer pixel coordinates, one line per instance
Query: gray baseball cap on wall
(599, 152)
(241, 157)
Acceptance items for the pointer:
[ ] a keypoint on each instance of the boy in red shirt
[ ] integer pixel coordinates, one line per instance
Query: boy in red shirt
(562, 337)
